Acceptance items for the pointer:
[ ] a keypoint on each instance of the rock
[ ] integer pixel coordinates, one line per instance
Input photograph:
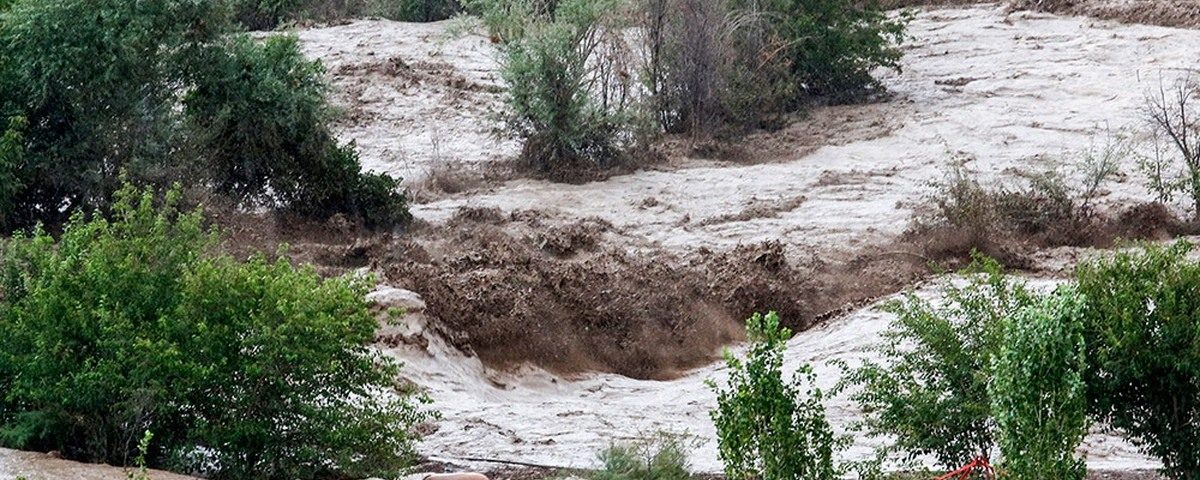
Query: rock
(456, 476)
(391, 297)
(445, 476)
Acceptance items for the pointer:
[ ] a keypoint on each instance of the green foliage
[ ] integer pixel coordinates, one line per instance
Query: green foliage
(12, 154)
(831, 46)
(661, 457)
(179, 96)
(132, 324)
(89, 119)
(140, 462)
(929, 389)
(1142, 328)
(1037, 390)
(264, 137)
(739, 62)
(563, 63)
(768, 427)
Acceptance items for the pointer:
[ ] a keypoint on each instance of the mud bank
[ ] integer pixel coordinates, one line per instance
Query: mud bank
(39, 466)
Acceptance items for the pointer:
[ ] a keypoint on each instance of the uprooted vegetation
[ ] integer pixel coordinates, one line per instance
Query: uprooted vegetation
(519, 288)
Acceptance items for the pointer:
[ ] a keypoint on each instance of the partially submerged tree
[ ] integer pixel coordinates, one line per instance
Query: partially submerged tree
(1174, 116)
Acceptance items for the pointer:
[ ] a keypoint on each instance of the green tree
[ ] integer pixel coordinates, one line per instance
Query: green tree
(929, 389)
(1142, 328)
(262, 121)
(769, 427)
(260, 369)
(1037, 390)
(89, 120)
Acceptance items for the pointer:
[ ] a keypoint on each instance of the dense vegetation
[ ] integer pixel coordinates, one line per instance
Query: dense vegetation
(177, 96)
(1038, 392)
(769, 426)
(1142, 330)
(706, 66)
(241, 370)
(999, 365)
(930, 388)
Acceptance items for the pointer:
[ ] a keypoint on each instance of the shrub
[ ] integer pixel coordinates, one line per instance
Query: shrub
(569, 90)
(768, 427)
(733, 62)
(929, 389)
(1045, 208)
(256, 369)
(661, 457)
(832, 45)
(178, 97)
(264, 139)
(1142, 330)
(1037, 390)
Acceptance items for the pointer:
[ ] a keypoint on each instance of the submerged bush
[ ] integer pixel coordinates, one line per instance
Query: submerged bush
(568, 88)
(1038, 393)
(661, 457)
(929, 389)
(719, 63)
(1142, 330)
(768, 426)
(256, 369)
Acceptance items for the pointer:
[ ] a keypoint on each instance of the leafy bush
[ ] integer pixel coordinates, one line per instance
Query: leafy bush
(737, 62)
(177, 92)
(832, 45)
(661, 457)
(768, 427)
(89, 119)
(929, 389)
(264, 138)
(1142, 329)
(1037, 390)
(569, 90)
(256, 369)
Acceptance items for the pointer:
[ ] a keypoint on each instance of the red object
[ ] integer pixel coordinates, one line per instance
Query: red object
(979, 464)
